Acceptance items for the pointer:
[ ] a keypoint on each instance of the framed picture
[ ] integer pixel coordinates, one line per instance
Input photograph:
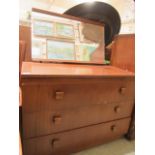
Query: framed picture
(60, 50)
(43, 28)
(56, 38)
(65, 30)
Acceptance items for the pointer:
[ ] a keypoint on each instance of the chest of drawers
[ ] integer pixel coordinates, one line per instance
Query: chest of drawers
(67, 108)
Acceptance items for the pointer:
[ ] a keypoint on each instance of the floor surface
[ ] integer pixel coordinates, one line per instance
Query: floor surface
(117, 147)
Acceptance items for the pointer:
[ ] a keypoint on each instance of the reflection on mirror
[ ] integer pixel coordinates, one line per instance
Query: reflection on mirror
(58, 38)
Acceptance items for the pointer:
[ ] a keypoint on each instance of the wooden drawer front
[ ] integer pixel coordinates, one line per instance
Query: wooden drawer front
(47, 122)
(76, 140)
(75, 93)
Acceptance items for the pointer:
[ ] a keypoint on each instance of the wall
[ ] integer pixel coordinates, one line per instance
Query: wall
(124, 7)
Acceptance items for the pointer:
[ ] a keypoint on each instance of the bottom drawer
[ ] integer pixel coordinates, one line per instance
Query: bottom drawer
(76, 140)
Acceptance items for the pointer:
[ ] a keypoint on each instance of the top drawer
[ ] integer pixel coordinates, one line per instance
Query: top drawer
(56, 94)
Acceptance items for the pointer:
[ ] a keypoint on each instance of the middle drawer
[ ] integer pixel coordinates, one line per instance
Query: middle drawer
(48, 122)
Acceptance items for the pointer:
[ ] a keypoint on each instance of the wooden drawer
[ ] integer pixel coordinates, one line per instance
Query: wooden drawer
(56, 94)
(75, 140)
(47, 122)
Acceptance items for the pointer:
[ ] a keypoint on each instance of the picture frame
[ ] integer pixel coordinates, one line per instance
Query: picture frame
(63, 40)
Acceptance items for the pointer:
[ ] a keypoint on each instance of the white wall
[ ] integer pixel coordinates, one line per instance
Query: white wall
(27, 5)
(124, 7)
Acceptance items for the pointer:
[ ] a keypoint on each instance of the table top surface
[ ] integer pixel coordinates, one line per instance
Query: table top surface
(33, 69)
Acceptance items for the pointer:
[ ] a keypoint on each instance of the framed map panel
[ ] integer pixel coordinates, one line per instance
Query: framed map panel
(43, 28)
(60, 50)
(65, 30)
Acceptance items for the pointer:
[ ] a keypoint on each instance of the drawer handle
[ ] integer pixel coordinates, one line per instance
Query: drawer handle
(117, 109)
(59, 95)
(122, 90)
(57, 119)
(55, 143)
(113, 128)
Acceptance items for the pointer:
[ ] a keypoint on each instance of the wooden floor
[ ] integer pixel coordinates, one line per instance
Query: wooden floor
(118, 147)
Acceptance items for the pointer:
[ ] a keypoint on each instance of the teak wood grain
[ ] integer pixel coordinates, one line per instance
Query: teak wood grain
(32, 69)
(22, 49)
(48, 122)
(76, 140)
(25, 35)
(69, 107)
(41, 94)
(123, 56)
(123, 52)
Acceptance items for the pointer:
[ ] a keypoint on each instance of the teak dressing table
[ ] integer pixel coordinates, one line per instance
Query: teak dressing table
(67, 107)
(70, 107)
